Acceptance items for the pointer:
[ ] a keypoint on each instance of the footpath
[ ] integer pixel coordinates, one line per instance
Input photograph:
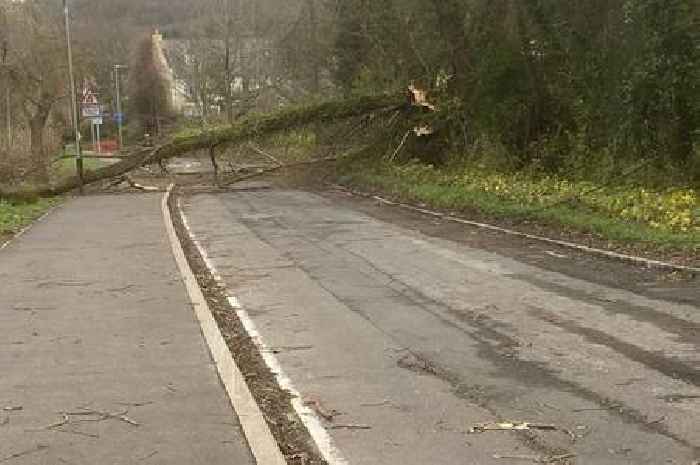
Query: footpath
(102, 360)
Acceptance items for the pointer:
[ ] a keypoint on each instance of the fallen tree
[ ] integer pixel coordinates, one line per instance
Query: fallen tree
(247, 128)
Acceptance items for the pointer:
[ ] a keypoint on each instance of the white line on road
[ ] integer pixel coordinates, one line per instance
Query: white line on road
(312, 422)
(569, 245)
(260, 439)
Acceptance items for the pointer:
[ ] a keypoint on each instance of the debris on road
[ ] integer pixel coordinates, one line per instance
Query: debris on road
(17, 455)
(351, 427)
(377, 404)
(536, 458)
(100, 416)
(302, 458)
(13, 408)
(519, 426)
(658, 420)
(279, 350)
(320, 409)
(136, 404)
(86, 415)
(146, 457)
(511, 426)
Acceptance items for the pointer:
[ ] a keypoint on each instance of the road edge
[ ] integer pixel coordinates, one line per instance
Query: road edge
(260, 440)
(25, 229)
(649, 263)
(310, 420)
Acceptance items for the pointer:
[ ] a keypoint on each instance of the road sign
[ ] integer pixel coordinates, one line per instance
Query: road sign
(91, 110)
(89, 97)
(118, 118)
(97, 121)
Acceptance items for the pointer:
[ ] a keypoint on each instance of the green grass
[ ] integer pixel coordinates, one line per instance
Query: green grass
(65, 168)
(16, 215)
(660, 219)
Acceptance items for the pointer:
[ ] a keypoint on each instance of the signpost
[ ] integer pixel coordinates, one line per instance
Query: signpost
(91, 109)
(97, 122)
(119, 115)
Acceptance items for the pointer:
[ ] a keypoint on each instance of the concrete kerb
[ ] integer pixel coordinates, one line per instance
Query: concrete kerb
(322, 439)
(258, 435)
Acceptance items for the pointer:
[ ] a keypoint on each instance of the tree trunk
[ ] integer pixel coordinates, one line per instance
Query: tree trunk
(39, 163)
(243, 129)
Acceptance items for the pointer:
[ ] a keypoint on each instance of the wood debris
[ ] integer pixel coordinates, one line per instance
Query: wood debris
(419, 98)
(260, 151)
(551, 459)
(136, 404)
(511, 426)
(70, 419)
(101, 416)
(351, 426)
(17, 455)
(519, 426)
(320, 409)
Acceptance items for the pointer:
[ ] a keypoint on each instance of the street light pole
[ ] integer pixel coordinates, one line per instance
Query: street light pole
(8, 103)
(4, 51)
(74, 99)
(8, 117)
(227, 72)
(120, 115)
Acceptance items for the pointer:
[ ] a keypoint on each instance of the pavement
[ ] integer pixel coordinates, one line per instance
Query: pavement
(420, 339)
(101, 358)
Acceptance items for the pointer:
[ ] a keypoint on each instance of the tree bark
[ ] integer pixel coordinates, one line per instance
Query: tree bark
(327, 112)
(39, 165)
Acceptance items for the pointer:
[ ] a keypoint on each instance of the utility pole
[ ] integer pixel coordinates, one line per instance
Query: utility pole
(120, 114)
(74, 99)
(227, 79)
(7, 98)
(8, 101)
(8, 116)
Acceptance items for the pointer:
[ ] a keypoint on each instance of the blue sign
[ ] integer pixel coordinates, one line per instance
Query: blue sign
(118, 118)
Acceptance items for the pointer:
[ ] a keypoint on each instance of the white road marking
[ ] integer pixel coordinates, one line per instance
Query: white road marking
(569, 245)
(312, 422)
(260, 439)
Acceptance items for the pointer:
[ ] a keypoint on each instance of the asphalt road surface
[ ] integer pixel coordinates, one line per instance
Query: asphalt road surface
(101, 359)
(422, 338)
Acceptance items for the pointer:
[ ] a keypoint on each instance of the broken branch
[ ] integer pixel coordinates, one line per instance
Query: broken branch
(245, 129)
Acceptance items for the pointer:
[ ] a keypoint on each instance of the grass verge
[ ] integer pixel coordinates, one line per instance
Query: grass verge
(65, 168)
(16, 215)
(666, 223)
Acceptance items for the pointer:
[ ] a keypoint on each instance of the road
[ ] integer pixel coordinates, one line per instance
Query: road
(101, 358)
(422, 338)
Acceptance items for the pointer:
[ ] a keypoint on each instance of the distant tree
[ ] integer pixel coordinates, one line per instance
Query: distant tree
(149, 92)
(35, 68)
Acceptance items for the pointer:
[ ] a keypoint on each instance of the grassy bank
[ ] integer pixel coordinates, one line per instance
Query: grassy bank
(16, 215)
(630, 215)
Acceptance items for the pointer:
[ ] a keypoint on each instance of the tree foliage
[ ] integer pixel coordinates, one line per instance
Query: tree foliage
(556, 83)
